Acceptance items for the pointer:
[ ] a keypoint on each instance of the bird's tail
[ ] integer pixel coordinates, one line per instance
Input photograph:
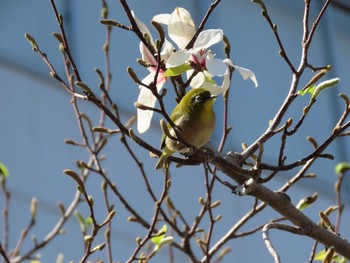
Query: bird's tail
(163, 158)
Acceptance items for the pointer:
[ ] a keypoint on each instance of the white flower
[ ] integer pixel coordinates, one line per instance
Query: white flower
(181, 29)
(146, 97)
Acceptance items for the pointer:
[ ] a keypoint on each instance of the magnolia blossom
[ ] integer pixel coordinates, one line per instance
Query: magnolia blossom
(181, 30)
(146, 97)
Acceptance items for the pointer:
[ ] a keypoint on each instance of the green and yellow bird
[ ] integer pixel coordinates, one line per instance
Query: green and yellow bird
(195, 119)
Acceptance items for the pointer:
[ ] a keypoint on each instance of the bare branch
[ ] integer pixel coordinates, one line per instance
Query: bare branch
(202, 24)
(3, 254)
(268, 243)
(273, 27)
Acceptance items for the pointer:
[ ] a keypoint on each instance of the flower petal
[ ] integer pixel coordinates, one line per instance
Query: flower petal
(228, 62)
(162, 19)
(215, 89)
(178, 58)
(167, 50)
(143, 28)
(216, 67)
(207, 38)
(146, 98)
(226, 82)
(147, 55)
(247, 73)
(198, 80)
(181, 28)
(144, 117)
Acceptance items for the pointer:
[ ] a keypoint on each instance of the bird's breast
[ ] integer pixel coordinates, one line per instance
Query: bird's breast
(195, 131)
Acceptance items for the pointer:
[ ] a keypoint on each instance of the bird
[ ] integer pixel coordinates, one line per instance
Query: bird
(195, 122)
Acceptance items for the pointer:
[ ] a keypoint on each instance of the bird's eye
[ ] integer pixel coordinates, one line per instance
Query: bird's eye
(198, 98)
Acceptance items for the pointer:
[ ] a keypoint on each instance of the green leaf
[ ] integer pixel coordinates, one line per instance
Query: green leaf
(3, 170)
(157, 239)
(341, 168)
(309, 90)
(171, 72)
(160, 240)
(321, 255)
(315, 90)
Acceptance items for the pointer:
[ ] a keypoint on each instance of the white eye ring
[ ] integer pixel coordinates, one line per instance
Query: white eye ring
(198, 98)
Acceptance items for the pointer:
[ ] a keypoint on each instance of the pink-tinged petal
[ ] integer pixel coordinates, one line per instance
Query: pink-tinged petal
(247, 73)
(162, 19)
(147, 55)
(150, 77)
(160, 80)
(207, 38)
(216, 67)
(143, 28)
(181, 28)
(178, 58)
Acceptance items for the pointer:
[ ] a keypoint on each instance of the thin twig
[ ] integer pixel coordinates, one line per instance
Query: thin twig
(59, 19)
(148, 185)
(209, 184)
(3, 254)
(278, 39)
(313, 252)
(56, 76)
(109, 223)
(233, 230)
(202, 24)
(53, 233)
(315, 154)
(317, 21)
(338, 185)
(7, 195)
(135, 27)
(296, 74)
(22, 238)
(152, 227)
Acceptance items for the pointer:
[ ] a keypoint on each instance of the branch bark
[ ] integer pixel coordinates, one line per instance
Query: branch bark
(281, 204)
